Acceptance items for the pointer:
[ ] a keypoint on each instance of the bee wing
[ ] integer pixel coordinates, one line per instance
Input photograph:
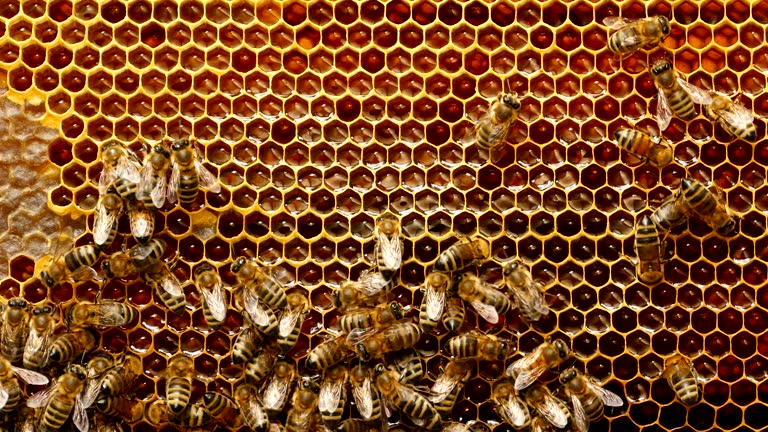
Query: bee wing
(3, 396)
(171, 285)
(443, 386)
(253, 307)
(41, 398)
(515, 411)
(30, 377)
(608, 397)
(699, 95)
(173, 184)
(527, 369)
(276, 391)
(330, 395)
(551, 410)
(216, 302)
(738, 115)
(497, 133)
(91, 391)
(208, 181)
(616, 23)
(580, 419)
(435, 303)
(127, 168)
(663, 112)
(38, 342)
(359, 334)
(288, 321)
(371, 283)
(79, 415)
(103, 221)
(364, 398)
(391, 251)
(486, 311)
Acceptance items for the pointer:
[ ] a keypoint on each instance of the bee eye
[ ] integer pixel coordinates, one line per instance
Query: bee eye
(516, 105)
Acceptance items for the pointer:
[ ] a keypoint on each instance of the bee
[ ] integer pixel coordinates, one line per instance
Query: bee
(257, 313)
(14, 330)
(435, 295)
(328, 353)
(587, 398)
(193, 416)
(104, 314)
(246, 345)
(389, 246)
(122, 375)
(463, 254)
(510, 407)
(255, 281)
(151, 189)
(683, 379)
(633, 35)
(366, 291)
(366, 400)
(652, 150)
(675, 94)
(528, 294)
(447, 387)
(188, 174)
(139, 258)
(38, 344)
(259, 366)
(551, 408)
(253, 412)
(733, 117)
(73, 265)
(668, 215)
(648, 249)
(333, 394)
(223, 409)
(488, 301)
(178, 385)
(95, 371)
(69, 346)
(701, 202)
(62, 399)
(493, 127)
(10, 392)
(118, 162)
(411, 368)
(289, 326)
(301, 416)
(120, 406)
(108, 210)
(403, 397)
(531, 366)
(377, 317)
(214, 303)
(476, 345)
(168, 288)
(276, 389)
(142, 222)
(453, 317)
(372, 344)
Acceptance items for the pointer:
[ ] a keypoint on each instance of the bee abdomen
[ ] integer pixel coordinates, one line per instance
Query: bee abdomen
(14, 396)
(57, 412)
(178, 393)
(81, 256)
(463, 347)
(175, 304)
(681, 104)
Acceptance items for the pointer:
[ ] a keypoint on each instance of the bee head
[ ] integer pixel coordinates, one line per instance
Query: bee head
(308, 384)
(362, 352)
(568, 375)
(106, 268)
(160, 149)
(180, 144)
(17, 303)
(562, 348)
(664, 23)
(47, 280)
(379, 369)
(203, 268)
(336, 297)
(511, 267)
(42, 310)
(503, 349)
(237, 264)
(396, 309)
(512, 101)
(103, 403)
(660, 66)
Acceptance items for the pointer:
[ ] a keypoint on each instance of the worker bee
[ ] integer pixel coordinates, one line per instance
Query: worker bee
(510, 407)
(39, 340)
(62, 399)
(178, 386)
(258, 314)
(14, 329)
(652, 150)
(120, 406)
(289, 326)
(588, 399)
(328, 353)
(365, 291)
(453, 317)
(142, 222)
(493, 127)
(372, 344)
(167, 287)
(255, 281)
(194, 416)
(463, 254)
(528, 294)
(675, 94)
(246, 345)
(277, 387)
(108, 210)
(333, 395)
(253, 412)
(151, 189)
(633, 35)
(214, 303)
(95, 371)
(69, 346)
(366, 400)
(648, 250)
(733, 117)
(73, 265)
(484, 298)
(188, 174)
(389, 245)
(223, 409)
(377, 317)
(531, 366)
(476, 345)
(301, 416)
(701, 202)
(259, 366)
(546, 405)
(104, 314)
(118, 162)
(448, 385)
(435, 294)
(406, 399)
(10, 392)
(683, 379)
(139, 258)
(122, 375)
(669, 214)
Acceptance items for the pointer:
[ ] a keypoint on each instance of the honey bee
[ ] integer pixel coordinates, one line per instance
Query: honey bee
(377, 317)
(333, 395)
(551, 408)
(104, 314)
(122, 375)
(493, 127)
(701, 202)
(365, 291)
(484, 298)
(652, 150)
(406, 399)
(276, 389)
(453, 317)
(246, 345)
(10, 392)
(69, 346)
(675, 94)
(301, 416)
(510, 407)
(733, 117)
(253, 412)
(476, 345)
(108, 210)
(41, 328)
(257, 313)
(139, 258)
(73, 265)
(528, 294)
(633, 35)
(214, 303)
(463, 254)
(14, 330)
(648, 249)
(62, 399)
(668, 215)
(151, 189)
(289, 326)
(178, 385)
(255, 281)
(188, 174)
(259, 366)
(193, 416)
(95, 371)
(366, 400)
(223, 409)
(389, 245)
(328, 353)
(588, 399)
(142, 222)
(120, 406)
(683, 379)
(167, 288)
(530, 367)
(118, 162)
(447, 387)
(372, 344)
(435, 295)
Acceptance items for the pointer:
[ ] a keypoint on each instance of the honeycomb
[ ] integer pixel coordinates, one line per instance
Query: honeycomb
(320, 116)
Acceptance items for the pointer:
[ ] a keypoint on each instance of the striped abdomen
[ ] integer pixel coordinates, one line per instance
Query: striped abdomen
(178, 390)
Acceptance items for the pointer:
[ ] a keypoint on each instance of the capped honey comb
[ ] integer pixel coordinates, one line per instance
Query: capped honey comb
(320, 116)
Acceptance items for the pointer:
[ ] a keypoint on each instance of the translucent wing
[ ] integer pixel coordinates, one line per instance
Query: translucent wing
(608, 397)
(370, 284)
(30, 377)
(359, 334)
(288, 322)
(173, 184)
(207, 180)
(330, 395)
(103, 221)
(215, 301)
(391, 251)
(158, 192)
(91, 391)
(528, 370)
(363, 398)
(38, 342)
(106, 178)
(3, 396)
(127, 168)
(141, 223)
(737, 115)
(443, 386)
(580, 419)
(553, 411)
(699, 95)
(146, 179)
(41, 398)
(83, 273)
(497, 132)
(255, 310)
(275, 393)
(435, 303)
(488, 312)
(79, 416)
(171, 285)
(141, 251)
(616, 23)
(663, 112)
(515, 411)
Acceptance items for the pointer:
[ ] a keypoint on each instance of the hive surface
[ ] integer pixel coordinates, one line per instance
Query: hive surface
(320, 116)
